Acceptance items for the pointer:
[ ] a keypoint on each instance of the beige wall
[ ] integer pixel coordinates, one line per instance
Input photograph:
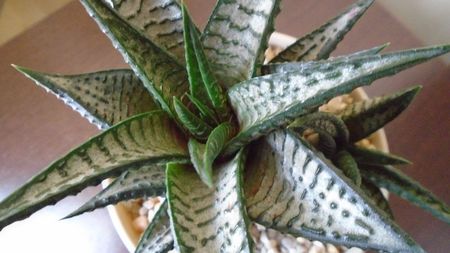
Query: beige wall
(429, 20)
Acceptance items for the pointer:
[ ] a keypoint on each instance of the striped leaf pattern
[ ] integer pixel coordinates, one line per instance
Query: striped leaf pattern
(104, 98)
(159, 20)
(320, 43)
(407, 188)
(157, 238)
(365, 117)
(291, 189)
(208, 219)
(145, 181)
(295, 66)
(376, 195)
(159, 72)
(264, 103)
(144, 139)
(236, 36)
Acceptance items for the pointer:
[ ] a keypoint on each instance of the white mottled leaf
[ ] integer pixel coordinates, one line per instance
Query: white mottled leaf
(161, 74)
(264, 103)
(320, 43)
(145, 181)
(144, 139)
(292, 189)
(236, 36)
(158, 20)
(208, 219)
(104, 98)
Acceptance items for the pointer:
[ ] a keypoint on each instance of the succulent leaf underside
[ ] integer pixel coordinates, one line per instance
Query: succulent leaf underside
(201, 121)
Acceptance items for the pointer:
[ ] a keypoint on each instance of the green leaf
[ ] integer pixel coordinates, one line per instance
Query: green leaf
(320, 43)
(204, 155)
(407, 188)
(161, 74)
(375, 194)
(345, 162)
(205, 113)
(148, 138)
(264, 103)
(157, 20)
(208, 219)
(365, 117)
(145, 181)
(196, 87)
(297, 66)
(104, 98)
(197, 127)
(375, 157)
(236, 36)
(200, 66)
(157, 238)
(290, 188)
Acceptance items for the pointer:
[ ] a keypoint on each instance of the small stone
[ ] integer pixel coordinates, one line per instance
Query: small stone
(140, 223)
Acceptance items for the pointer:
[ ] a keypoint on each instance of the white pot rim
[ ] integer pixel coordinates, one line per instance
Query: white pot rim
(123, 221)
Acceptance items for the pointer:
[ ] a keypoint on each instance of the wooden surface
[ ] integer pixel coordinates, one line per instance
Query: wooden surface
(36, 128)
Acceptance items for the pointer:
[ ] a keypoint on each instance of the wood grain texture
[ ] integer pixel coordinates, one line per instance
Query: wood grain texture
(36, 128)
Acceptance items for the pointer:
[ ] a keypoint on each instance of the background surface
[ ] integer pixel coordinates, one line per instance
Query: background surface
(36, 128)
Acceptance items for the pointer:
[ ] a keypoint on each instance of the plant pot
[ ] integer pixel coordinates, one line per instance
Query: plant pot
(123, 220)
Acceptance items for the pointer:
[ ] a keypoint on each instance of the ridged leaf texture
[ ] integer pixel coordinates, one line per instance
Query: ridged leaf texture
(345, 162)
(365, 117)
(271, 68)
(375, 157)
(161, 74)
(407, 188)
(145, 181)
(236, 36)
(104, 98)
(144, 139)
(294, 190)
(208, 219)
(264, 103)
(157, 238)
(321, 42)
(158, 20)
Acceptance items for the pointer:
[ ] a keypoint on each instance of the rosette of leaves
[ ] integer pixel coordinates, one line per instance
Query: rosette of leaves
(201, 120)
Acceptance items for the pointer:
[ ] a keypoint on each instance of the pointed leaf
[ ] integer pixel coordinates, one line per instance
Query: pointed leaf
(264, 103)
(144, 139)
(297, 66)
(159, 72)
(345, 162)
(320, 43)
(196, 87)
(236, 36)
(291, 189)
(157, 238)
(204, 155)
(104, 98)
(158, 20)
(407, 188)
(208, 219)
(375, 157)
(145, 181)
(375, 194)
(205, 113)
(365, 117)
(197, 127)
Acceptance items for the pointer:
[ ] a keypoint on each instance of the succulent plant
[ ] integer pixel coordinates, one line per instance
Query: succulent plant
(201, 120)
